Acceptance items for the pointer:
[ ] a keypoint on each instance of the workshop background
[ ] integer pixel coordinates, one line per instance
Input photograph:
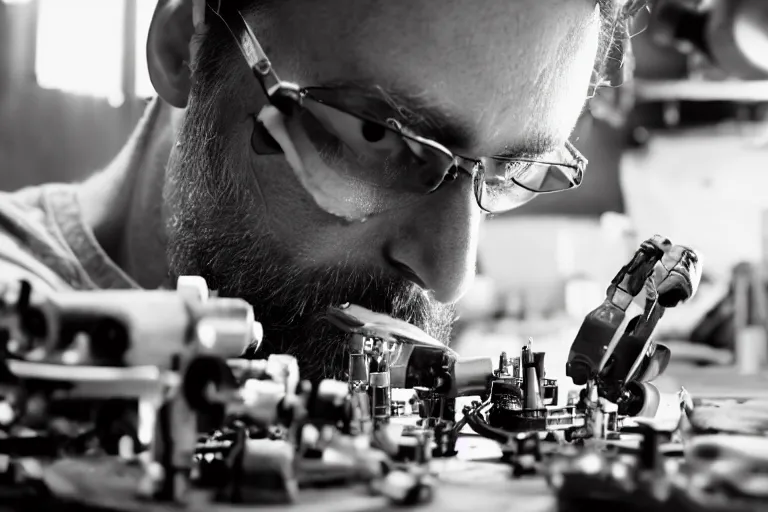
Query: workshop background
(680, 151)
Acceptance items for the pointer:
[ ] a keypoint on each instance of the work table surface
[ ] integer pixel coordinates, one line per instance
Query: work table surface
(475, 481)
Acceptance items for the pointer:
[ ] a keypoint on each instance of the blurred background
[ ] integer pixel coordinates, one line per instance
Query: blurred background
(680, 150)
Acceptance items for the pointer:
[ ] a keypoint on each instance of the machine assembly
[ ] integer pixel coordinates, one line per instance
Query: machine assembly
(108, 403)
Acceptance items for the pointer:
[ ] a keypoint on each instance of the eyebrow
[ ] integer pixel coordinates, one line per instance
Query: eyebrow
(443, 127)
(427, 116)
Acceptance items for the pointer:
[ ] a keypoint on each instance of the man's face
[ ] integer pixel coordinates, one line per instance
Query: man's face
(506, 72)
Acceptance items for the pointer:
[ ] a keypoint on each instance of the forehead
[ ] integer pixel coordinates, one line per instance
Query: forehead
(507, 70)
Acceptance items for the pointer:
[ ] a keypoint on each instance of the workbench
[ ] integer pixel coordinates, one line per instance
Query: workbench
(473, 481)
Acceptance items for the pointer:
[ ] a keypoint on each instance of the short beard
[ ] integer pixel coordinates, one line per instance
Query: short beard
(215, 232)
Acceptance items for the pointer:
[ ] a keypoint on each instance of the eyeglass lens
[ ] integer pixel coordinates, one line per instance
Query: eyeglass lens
(378, 155)
(371, 152)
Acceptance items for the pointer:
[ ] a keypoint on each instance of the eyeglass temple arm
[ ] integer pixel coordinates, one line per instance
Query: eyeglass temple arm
(254, 54)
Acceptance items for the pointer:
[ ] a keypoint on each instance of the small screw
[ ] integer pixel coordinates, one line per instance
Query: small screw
(263, 66)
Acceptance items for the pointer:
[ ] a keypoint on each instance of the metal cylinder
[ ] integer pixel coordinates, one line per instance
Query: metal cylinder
(514, 363)
(649, 449)
(424, 451)
(531, 395)
(226, 326)
(642, 399)
(225, 337)
(358, 363)
(471, 374)
(538, 361)
(503, 364)
(381, 400)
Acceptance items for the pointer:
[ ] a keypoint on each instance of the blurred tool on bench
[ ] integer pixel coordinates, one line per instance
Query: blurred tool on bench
(738, 323)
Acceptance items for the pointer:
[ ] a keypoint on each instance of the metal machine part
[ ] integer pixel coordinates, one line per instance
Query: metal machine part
(101, 346)
(615, 349)
(521, 401)
(524, 453)
(203, 420)
(386, 353)
(636, 479)
(410, 484)
(108, 327)
(247, 461)
(516, 396)
(253, 431)
(416, 360)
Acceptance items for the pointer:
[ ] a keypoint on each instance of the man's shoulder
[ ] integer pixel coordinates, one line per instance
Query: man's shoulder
(30, 244)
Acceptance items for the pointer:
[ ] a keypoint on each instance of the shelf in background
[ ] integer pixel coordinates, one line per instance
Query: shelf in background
(694, 90)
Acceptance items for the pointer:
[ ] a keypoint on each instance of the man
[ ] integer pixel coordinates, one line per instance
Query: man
(299, 203)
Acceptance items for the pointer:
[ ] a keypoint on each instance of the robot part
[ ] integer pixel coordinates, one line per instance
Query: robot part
(160, 368)
(184, 420)
(615, 349)
(99, 347)
(521, 400)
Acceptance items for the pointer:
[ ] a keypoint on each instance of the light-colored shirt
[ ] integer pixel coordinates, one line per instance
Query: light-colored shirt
(43, 237)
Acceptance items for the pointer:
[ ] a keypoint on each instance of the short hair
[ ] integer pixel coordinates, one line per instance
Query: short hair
(614, 42)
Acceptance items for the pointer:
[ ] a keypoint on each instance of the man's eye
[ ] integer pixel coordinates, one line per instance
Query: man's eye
(380, 153)
(351, 133)
(517, 169)
(368, 136)
(373, 132)
(373, 145)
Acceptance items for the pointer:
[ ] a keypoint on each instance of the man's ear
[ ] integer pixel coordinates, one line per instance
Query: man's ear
(168, 50)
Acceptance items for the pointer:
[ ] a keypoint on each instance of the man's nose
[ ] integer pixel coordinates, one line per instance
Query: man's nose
(436, 243)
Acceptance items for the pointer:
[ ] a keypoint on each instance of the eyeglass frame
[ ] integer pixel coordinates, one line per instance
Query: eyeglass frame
(282, 94)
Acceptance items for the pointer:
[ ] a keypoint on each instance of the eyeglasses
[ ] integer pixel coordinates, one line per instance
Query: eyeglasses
(373, 150)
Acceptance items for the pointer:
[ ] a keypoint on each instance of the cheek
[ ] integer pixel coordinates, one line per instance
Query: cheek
(310, 235)
(278, 192)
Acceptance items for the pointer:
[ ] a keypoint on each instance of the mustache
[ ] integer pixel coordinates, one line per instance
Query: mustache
(288, 295)
(292, 305)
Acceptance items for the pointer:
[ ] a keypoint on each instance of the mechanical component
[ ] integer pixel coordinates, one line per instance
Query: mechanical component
(416, 359)
(413, 360)
(187, 416)
(635, 478)
(615, 349)
(411, 484)
(523, 453)
(380, 390)
(523, 400)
